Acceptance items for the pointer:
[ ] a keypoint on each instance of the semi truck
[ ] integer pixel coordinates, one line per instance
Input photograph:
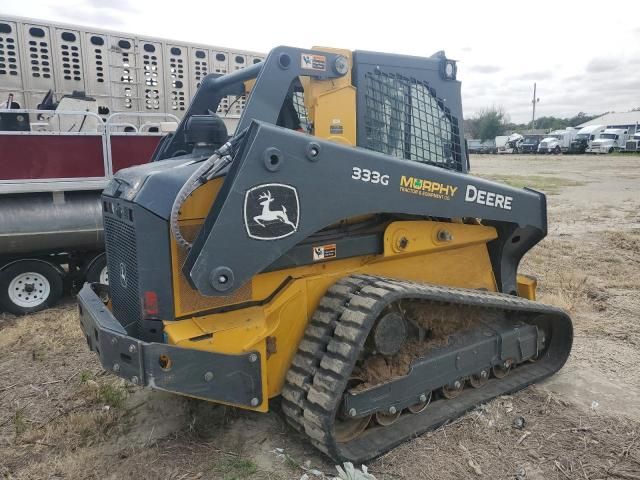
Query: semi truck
(610, 140)
(584, 137)
(530, 143)
(633, 143)
(558, 141)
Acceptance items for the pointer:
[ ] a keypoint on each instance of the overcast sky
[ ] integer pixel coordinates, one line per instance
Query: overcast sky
(585, 56)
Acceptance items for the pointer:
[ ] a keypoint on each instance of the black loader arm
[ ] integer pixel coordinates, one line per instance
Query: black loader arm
(275, 75)
(284, 186)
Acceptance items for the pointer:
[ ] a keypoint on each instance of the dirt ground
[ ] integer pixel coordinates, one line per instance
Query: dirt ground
(61, 417)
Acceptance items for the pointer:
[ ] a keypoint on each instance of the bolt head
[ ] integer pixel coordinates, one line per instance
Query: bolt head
(132, 348)
(445, 236)
(253, 358)
(392, 410)
(208, 376)
(352, 412)
(135, 380)
(116, 367)
(255, 402)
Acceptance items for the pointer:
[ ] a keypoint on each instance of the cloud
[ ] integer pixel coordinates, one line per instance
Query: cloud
(603, 64)
(534, 76)
(96, 12)
(98, 17)
(485, 68)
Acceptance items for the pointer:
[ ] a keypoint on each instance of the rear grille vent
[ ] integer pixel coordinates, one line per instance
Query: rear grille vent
(122, 261)
(405, 118)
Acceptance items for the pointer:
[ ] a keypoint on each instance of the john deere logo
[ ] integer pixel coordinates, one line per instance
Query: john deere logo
(123, 275)
(271, 211)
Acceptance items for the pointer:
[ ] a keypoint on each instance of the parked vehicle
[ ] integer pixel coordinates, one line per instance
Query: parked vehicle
(610, 140)
(514, 142)
(530, 143)
(633, 143)
(558, 141)
(123, 72)
(478, 146)
(585, 136)
(501, 143)
(53, 167)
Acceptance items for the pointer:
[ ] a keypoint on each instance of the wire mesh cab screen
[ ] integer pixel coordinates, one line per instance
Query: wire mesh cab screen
(405, 116)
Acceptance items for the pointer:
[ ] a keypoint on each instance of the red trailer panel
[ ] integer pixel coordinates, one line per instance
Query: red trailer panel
(38, 157)
(129, 150)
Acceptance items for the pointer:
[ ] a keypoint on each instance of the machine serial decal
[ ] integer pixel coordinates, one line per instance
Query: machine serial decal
(313, 62)
(324, 252)
(371, 176)
(427, 188)
(271, 211)
(490, 199)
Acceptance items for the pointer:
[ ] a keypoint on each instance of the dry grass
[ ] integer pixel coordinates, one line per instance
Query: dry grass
(557, 442)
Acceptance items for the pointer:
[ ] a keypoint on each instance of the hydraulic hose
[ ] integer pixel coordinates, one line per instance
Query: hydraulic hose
(205, 172)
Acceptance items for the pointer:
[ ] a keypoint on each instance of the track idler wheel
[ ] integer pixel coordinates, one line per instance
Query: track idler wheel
(480, 379)
(453, 389)
(425, 399)
(501, 371)
(387, 418)
(347, 426)
(389, 334)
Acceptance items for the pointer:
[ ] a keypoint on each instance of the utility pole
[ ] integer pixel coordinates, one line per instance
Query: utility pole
(534, 101)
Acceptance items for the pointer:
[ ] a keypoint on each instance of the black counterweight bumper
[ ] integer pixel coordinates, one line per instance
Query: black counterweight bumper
(225, 378)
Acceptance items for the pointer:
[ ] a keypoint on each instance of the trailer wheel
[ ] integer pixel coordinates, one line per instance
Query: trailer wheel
(28, 286)
(97, 271)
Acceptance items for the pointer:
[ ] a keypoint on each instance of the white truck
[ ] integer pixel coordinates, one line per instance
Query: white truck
(633, 143)
(501, 143)
(610, 140)
(558, 141)
(513, 143)
(585, 136)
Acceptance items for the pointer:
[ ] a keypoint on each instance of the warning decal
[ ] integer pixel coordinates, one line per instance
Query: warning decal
(324, 252)
(313, 62)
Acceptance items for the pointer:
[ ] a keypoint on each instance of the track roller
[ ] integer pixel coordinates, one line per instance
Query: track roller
(501, 371)
(480, 379)
(425, 399)
(453, 389)
(388, 418)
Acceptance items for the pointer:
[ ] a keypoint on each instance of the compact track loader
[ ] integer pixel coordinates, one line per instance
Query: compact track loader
(334, 252)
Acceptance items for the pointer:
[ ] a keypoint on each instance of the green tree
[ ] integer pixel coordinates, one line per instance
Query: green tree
(580, 118)
(490, 123)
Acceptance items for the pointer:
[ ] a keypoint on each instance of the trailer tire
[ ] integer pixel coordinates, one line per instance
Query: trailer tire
(97, 271)
(28, 286)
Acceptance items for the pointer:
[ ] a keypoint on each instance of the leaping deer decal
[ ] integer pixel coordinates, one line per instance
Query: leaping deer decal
(269, 215)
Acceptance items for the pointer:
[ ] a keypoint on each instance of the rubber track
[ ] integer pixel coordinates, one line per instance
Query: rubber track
(332, 342)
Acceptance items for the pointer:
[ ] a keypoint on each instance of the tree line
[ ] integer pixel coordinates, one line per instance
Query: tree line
(491, 122)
